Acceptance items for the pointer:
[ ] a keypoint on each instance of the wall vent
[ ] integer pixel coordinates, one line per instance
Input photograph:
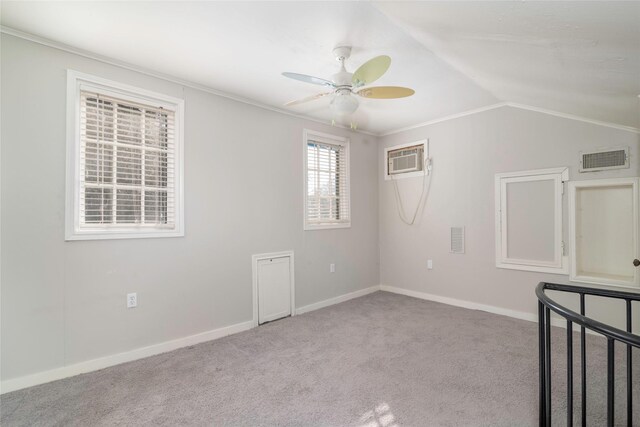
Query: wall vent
(457, 240)
(403, 160)
(599, 160)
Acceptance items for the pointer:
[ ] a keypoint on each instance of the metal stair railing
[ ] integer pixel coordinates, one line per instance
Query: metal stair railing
(612, 334)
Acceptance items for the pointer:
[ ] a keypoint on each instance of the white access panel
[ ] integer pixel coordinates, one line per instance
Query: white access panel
(529, 220)
(604, 231)
(274, 288)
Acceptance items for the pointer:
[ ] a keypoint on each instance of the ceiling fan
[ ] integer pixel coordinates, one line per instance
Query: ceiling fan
(345, 85)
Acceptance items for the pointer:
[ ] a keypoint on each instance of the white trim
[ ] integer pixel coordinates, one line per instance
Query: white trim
(312, 227)
(13, 384)
(337, 300)
(573, 117)
(104, 59)
(116, 359)
(516, 314)
(254, 269)
(425, 156)
(444, 119)
(564, 171)
(77, 81)
(332, 140)
(513, 105)
(592, 183)
(560, 264)
(461, 303)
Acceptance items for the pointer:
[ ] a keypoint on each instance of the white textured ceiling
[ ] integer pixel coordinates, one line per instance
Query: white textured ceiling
(575, 58)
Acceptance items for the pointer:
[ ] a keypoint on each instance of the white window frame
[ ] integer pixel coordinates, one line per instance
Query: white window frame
(333, 140)
(574, 276)
(73, 231)
(560, 264)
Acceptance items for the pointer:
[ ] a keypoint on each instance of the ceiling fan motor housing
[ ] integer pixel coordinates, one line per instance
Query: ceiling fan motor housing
(342, 78)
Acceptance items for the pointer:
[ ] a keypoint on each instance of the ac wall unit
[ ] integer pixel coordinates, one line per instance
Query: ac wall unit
(604, 159)
(404, 160)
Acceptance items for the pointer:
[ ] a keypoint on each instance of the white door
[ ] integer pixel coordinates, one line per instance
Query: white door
(274, 289)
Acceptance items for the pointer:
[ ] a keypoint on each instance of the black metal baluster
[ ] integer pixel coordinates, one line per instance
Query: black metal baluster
(610, 381)
(611, 333)
(541, 350)
(547, 380)
(583, 365)
(569, 373)
(629, 371)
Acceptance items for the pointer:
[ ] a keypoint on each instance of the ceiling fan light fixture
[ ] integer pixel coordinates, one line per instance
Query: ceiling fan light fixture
(343, 103)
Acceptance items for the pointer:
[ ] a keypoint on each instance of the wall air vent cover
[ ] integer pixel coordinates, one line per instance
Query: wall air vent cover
(403, 160)
(457, 240)
(609, 158)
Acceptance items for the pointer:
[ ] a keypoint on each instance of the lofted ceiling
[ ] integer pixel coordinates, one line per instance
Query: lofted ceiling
(577, 58)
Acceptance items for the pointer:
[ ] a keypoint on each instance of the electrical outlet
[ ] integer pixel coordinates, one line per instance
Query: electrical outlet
(132, 300)
(332, 268)
(429, 264)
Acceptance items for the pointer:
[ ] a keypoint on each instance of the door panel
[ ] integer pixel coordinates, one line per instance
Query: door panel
(274, 289)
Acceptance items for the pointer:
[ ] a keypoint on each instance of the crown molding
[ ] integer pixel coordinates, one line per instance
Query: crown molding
(513, 105)
(121, 64)
(445, 118)
(572, 117)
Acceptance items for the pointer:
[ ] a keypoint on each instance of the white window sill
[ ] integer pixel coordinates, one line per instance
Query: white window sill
(122, 234)
(310, 227)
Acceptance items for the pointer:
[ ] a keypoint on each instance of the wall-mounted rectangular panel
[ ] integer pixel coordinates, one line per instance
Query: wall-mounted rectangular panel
(604, 159)
(529, 220)
(274, 289)
(604, 231)
(530, 215)
(457, 240)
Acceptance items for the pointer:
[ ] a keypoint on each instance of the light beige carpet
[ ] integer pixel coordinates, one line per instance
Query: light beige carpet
(382, 360)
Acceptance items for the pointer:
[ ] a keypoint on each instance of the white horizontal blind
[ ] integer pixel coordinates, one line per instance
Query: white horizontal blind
(126, 164)
(327, 183)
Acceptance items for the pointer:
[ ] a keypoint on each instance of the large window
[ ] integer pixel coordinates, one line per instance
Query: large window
(327, 201)
(124, 177)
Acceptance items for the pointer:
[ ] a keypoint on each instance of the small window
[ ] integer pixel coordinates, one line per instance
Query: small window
(529, 221)
(124, 171)
(326, 164)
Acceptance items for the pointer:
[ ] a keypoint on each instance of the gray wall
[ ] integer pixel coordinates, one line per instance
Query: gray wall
(466, 153)
(64, 302)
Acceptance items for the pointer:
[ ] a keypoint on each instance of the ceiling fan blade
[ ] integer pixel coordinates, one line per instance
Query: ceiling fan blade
(307, 99)
(308, 79)
(371, 70)
(386, 92)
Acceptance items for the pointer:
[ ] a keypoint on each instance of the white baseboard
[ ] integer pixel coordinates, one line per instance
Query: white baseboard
(13, 384)
(336, 300)
(461, 303)
(523, 315)
(116, 359)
